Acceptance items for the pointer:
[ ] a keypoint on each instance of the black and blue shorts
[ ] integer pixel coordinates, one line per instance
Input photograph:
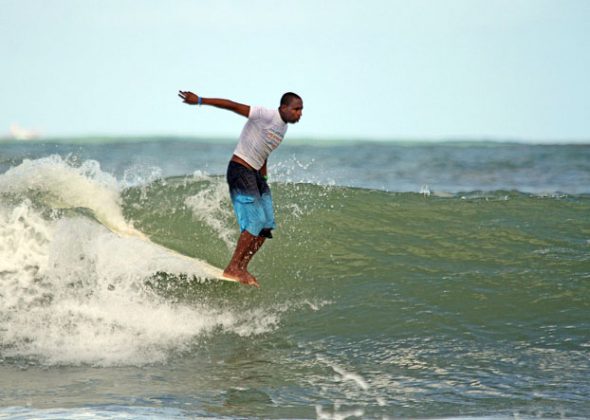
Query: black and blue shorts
(252, 200)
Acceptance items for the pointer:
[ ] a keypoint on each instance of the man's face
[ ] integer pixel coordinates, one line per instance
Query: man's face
(292, 113)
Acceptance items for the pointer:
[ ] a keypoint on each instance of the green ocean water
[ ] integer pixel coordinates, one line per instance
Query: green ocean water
(374, 303)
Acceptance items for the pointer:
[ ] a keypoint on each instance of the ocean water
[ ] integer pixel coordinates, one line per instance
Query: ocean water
(405, 280)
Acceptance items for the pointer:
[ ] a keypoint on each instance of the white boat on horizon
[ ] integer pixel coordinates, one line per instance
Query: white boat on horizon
(19, 133)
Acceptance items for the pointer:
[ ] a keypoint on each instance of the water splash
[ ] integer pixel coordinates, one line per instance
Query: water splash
(211, 206)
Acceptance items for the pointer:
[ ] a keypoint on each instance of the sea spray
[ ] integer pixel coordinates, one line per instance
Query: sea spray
(211, 205)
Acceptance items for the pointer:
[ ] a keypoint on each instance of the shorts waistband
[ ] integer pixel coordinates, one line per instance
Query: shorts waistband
(240, 161)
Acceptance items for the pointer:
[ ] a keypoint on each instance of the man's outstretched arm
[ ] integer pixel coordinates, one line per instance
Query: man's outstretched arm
(193, 99)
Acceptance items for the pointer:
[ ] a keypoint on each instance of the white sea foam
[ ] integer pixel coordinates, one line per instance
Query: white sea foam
(64, 185)
(73, 292)
(337, 413)
(344, 375)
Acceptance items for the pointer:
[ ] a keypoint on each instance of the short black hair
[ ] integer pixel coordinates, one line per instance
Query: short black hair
(288, 97)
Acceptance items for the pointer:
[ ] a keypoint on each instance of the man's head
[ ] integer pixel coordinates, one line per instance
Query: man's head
(291, 107)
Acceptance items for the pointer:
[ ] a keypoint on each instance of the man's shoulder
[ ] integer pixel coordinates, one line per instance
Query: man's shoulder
(258, 112)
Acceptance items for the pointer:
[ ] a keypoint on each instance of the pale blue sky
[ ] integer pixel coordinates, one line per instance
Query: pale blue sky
(375, 69)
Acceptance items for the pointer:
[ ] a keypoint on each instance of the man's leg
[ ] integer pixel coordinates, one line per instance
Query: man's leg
(257, 243)
(237, 268)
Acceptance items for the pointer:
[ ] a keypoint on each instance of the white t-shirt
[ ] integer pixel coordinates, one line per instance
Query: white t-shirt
(263, 133)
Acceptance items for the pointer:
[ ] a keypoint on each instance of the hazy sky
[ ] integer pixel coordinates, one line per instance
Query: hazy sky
(376, 69)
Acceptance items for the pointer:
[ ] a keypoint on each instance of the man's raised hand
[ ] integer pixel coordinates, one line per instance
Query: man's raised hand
(188, 97)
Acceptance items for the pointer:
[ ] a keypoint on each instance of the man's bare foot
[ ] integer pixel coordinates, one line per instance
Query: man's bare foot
(249, 280)
(241, 276)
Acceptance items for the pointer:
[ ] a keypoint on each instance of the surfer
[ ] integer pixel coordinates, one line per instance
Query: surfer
(247, 173)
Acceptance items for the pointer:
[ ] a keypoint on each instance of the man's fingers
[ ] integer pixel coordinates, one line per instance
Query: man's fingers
(187, 96)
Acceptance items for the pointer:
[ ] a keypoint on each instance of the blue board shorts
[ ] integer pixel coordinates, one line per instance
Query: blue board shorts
(251, 198)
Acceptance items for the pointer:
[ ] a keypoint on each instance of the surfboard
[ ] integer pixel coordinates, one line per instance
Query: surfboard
(198, 267)
(210, 271)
